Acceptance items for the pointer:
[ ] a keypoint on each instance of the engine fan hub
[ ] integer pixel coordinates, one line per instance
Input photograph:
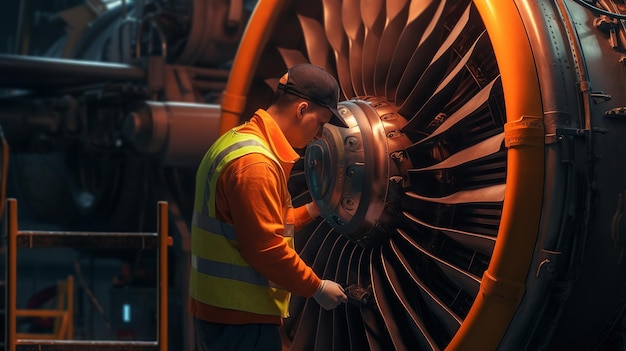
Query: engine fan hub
(352, 173)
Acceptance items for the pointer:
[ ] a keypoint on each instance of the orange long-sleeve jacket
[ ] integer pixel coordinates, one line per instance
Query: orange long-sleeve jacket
(249, 194)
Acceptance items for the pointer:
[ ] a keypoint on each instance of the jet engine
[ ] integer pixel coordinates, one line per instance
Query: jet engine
(476, 200)
(474, 203)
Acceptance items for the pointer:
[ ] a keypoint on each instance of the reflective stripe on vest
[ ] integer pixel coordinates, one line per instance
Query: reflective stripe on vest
(219, 275)
(229, 271)
(214, 225)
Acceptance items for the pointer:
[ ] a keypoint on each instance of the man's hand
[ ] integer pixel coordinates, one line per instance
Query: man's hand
(330, 295)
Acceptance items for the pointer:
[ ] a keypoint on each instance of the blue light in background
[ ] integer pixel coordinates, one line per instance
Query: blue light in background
(126, 313)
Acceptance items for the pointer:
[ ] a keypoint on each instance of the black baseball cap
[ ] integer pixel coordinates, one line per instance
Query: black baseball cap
(315, 84)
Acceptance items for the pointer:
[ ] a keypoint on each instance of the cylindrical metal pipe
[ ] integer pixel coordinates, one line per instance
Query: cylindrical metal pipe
(179, 132)
(234, 97)
(22, 120)
(39, 73)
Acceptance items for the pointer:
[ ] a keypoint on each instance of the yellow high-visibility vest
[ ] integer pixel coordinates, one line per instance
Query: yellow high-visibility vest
(219, 275)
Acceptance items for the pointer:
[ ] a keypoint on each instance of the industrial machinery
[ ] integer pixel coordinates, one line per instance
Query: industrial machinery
(105, 120)
(475, 203)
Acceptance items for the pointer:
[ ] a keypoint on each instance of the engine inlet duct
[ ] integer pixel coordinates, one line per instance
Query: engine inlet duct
(477, 194)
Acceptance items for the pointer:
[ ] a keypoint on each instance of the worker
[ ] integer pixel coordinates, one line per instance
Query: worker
(243, 264)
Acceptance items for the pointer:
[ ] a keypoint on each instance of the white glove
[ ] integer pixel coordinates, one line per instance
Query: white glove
(313, 209)
(329, 295)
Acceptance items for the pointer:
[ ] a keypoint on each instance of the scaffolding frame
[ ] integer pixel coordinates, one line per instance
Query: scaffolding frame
(15, 239)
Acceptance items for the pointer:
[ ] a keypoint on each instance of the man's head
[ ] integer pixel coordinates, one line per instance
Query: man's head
(313, 83)
(312, 94)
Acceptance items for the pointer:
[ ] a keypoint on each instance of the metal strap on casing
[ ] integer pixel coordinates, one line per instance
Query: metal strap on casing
(501, 290)
(527, 130)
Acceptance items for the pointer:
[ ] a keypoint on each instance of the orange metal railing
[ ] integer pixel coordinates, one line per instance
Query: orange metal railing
(158, 240)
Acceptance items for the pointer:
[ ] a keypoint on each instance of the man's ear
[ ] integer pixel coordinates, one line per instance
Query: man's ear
(302, 106)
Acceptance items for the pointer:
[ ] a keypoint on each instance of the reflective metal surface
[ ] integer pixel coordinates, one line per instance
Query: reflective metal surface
(411, 194)
(464, 222)
(355, 174)
(475, 202)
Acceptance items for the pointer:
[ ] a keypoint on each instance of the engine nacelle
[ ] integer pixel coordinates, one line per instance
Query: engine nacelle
(510, 202)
